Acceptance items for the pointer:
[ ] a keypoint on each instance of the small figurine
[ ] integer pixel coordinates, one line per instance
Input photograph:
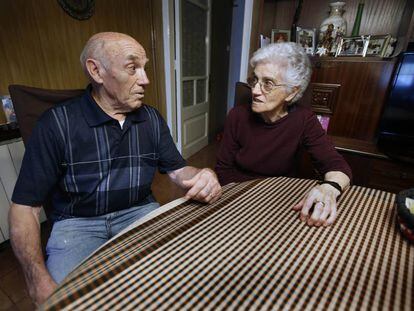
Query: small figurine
(321, 51)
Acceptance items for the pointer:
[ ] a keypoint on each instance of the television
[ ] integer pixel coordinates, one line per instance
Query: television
(396, 129)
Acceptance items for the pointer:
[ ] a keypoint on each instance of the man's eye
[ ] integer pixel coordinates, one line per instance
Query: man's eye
(132, 68)
(268, 83)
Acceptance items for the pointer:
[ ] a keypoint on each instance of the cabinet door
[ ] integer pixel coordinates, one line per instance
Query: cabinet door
(2, 239)
(16, 152)
(4, 212)
(8, 175)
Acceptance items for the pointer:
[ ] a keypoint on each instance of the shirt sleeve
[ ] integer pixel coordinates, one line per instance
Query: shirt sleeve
(169, 157)
(41, 167)
(322, 151)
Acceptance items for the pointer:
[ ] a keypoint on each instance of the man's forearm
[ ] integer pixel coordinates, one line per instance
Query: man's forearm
(25, 240)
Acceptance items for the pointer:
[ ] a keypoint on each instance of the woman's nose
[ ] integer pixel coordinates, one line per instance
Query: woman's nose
(257, 89)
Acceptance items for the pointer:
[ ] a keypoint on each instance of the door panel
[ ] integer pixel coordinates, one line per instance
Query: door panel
(193, 40)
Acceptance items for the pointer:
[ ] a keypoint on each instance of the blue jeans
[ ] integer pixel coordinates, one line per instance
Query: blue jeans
(74, 239)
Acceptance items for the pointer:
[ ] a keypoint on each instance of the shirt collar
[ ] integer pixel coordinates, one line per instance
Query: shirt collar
(96, 116)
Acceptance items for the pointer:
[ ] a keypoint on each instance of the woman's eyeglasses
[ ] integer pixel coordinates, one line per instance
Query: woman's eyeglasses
(266, 86)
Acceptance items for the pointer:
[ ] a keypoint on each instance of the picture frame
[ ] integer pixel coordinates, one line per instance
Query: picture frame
(353, 46)
(280, 35)
(306, 38)
(378, 45)
(8, 109)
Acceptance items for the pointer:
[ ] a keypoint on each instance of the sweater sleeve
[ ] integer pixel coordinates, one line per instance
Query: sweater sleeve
(226, 167)
(324, 156)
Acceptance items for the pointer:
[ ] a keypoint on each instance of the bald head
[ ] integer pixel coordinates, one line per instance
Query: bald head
(102, 47)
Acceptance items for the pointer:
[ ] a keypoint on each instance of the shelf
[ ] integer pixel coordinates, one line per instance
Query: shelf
(357, 146)
(353, 59)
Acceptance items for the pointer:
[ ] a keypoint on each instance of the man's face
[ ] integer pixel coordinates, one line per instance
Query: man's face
(124, 77)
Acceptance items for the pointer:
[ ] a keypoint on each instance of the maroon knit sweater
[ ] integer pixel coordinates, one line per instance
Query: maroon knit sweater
(253, 149)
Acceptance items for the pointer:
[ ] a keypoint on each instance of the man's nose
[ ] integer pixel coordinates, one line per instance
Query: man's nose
(143, 78)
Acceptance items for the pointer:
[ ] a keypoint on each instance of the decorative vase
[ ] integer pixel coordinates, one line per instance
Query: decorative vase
(333, 28)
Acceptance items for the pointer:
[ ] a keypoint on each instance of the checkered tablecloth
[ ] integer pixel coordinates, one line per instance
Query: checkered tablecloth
(249, 251)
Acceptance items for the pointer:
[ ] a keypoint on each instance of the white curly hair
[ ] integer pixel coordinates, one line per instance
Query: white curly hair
(293, 57)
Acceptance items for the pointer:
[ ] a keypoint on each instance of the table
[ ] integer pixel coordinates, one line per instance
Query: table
(249, 251)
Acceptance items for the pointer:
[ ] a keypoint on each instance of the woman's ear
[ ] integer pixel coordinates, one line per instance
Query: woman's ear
(292, 95)
(95, 70)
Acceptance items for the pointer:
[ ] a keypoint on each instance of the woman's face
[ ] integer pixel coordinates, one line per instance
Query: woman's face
(272, 105)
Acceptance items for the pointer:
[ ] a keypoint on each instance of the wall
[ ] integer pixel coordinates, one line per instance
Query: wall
(235, 49)
(221, 17)
(40, 43)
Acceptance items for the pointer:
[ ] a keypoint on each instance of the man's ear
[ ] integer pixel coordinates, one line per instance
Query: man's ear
(291, 96)
(95, 70)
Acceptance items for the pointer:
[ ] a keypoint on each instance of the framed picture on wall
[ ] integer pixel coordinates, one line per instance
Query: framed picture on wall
(280, 35)
(353, 46)
(306, 38)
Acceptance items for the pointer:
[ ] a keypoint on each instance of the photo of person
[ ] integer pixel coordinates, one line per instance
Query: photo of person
(353, 46)
(378, 45)
(306, 38)
(279, 35)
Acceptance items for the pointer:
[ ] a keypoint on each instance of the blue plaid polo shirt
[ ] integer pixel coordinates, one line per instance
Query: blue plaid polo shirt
(81, 157)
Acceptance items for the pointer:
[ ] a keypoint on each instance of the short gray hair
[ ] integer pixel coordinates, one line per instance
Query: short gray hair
(298, 67)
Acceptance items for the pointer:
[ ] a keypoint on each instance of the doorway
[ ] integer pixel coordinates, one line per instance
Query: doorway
(196, 82)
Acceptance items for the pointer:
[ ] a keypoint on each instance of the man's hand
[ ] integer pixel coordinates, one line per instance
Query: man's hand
(204, 186)
(40, 291)
(323, 199)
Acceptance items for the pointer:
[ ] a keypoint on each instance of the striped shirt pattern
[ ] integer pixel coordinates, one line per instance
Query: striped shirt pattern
(249, 251)
(91, 164)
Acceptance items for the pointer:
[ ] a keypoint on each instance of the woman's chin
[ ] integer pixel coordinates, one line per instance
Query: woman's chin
(257, 107)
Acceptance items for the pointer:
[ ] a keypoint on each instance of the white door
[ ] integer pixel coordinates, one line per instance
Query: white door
(192, 73)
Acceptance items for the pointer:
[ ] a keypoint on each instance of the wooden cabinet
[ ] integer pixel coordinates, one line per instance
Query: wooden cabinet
(352, 91)
(11, 156)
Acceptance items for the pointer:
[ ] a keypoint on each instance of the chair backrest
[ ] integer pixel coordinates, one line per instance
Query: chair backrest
(243, 94)
(29, 104)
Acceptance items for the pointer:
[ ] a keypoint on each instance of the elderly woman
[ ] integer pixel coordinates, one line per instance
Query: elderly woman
(263, 139)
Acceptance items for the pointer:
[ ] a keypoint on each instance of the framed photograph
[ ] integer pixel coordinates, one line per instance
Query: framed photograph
(280, 35)
(8, 109)
(353, 46)
(378, 45)
(306, 38)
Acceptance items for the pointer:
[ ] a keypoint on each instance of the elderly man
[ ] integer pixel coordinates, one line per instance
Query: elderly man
(96, 156)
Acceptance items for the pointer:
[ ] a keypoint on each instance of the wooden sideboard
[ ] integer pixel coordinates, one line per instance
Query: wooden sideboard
(370, 167)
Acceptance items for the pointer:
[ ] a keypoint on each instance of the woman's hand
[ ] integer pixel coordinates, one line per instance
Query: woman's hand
(323, 199)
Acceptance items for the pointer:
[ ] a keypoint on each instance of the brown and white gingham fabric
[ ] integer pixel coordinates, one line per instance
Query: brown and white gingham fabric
(249, 251)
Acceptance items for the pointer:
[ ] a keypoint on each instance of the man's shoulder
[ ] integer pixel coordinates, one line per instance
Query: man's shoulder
(70, 105)
(70, 109)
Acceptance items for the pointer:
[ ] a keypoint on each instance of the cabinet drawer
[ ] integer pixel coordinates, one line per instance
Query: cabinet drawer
(391, 176)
